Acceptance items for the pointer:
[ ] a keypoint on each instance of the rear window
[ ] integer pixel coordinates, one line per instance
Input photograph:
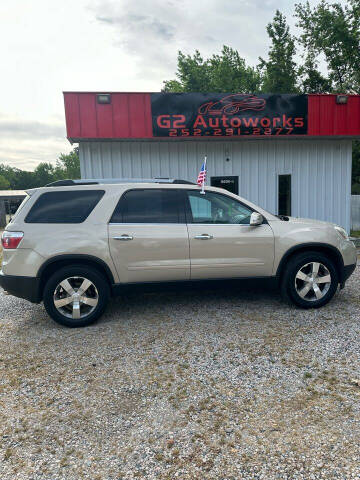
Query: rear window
(64, 207)
(147, 206)
(19, 208)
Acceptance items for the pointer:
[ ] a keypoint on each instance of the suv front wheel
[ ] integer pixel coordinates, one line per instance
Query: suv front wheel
(310, 280)
(76, 296)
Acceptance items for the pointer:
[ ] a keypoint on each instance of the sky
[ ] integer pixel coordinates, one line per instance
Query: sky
(47, 47)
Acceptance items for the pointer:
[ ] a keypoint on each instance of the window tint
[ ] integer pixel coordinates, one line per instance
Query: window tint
(147, 206)
(64, 207)
(217, 208)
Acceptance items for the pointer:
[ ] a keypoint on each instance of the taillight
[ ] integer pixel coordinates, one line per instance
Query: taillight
(11, 239)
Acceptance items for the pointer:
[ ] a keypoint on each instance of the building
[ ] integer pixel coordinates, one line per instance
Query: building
(291, 154)
(9, 202)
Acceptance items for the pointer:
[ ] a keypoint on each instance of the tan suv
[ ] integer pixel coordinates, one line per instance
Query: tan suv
(74, 244)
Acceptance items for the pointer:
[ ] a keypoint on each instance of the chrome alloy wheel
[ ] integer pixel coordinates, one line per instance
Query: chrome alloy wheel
(76, 297)
(312, 281)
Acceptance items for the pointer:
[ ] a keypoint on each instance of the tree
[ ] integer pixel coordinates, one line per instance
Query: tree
(18, 179)
(43, 174)
(279, 72)
(333, 32)
(8, 173)
(4, 183)
(312, 80)
(68, 166)
(227, 72)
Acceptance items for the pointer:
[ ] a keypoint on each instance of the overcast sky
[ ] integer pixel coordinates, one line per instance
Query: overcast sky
(47, 47)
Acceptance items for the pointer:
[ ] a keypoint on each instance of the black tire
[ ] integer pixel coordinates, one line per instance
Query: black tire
(99, 286)
(291, 285)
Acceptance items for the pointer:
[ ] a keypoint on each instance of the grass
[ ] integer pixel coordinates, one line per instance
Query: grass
(355, 233)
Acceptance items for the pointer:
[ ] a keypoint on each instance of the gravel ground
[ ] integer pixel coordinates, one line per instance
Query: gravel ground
(189, 384)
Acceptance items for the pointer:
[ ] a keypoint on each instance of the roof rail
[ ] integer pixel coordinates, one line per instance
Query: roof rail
(67, 183)
(99, 181)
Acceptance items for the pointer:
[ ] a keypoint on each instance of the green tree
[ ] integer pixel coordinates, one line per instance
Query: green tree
(18, 179)
(23, 180)
(8, 173)
(312, 81)
(4, 183)
(229, 73)
(68, 165)
(332, 31)
(226, 72)
(279, 71)
(44, 173)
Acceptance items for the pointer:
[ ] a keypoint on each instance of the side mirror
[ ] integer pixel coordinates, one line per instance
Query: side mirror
(256, 219)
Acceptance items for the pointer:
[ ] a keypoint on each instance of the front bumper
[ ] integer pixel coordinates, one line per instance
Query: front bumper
(23, 287)
(347, 271)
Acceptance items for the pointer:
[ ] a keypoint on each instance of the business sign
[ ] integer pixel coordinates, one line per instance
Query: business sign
(227, 115)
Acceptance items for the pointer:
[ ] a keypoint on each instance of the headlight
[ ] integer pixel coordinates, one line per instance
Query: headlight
(342, 232)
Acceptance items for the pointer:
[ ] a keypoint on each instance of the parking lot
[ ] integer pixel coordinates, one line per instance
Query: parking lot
(215, 384)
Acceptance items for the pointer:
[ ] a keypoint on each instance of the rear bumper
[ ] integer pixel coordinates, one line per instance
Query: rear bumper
(23, 287)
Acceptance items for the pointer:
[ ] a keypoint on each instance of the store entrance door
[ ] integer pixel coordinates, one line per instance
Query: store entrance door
(231, 184)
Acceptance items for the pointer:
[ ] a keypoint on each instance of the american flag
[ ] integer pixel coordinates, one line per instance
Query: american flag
(202, 175)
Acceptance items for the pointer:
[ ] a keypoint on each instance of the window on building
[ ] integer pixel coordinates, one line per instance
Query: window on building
(147, 206)
(64, 207)
(231, 184)
(217, 208)
(284, 200)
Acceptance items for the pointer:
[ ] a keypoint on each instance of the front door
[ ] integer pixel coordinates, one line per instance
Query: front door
(222, 242)
(148, 236)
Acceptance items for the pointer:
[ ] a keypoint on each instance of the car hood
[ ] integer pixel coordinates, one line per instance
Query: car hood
(309, 221)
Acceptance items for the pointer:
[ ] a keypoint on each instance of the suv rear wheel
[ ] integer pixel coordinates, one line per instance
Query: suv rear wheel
(310, 280)
(76, 296)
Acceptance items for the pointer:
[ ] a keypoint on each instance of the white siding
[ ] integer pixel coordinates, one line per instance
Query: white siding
(320, 169)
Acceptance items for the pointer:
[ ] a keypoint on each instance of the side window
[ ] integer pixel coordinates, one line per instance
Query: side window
(147, 206)
(64, 207)
(217, 208)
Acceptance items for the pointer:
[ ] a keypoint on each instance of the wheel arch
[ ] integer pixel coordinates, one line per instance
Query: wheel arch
(53, 264)
(329, 250)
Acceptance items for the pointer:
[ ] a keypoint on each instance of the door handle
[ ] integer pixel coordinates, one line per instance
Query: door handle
(124, 238)
(204, 236)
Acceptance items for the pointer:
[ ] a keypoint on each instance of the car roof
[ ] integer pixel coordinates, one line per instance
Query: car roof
(116, 186)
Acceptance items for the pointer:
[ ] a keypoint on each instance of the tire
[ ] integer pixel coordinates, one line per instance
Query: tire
(86, 306)
(299, 282)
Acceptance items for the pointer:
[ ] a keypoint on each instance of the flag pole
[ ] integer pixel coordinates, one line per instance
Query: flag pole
(203, 182)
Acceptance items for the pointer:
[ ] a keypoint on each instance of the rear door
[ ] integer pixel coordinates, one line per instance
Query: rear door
(222, 242)
(148, 236)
